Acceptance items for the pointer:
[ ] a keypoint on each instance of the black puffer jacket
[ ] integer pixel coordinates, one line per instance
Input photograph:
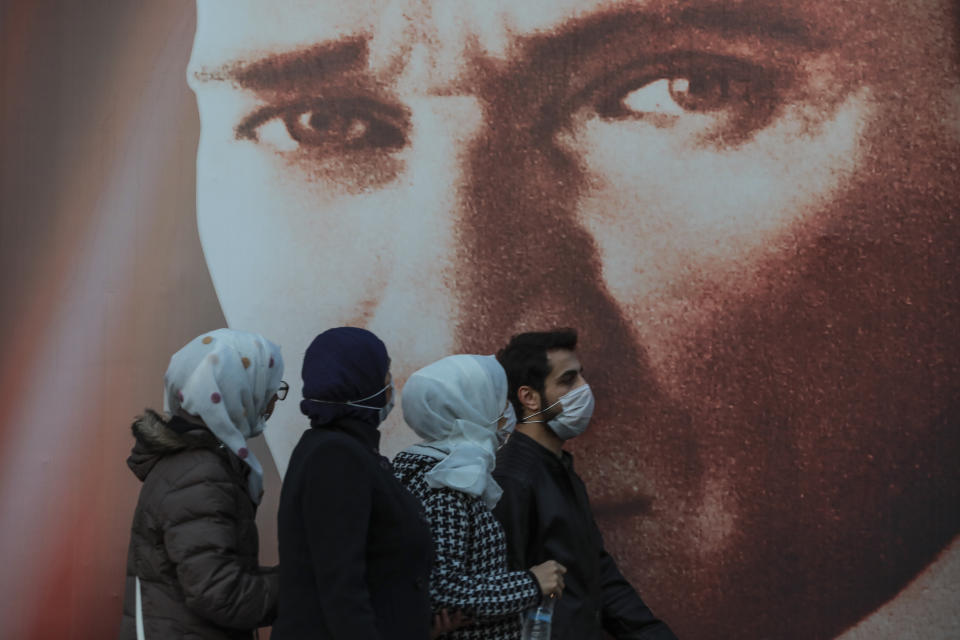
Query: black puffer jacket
(194, 541)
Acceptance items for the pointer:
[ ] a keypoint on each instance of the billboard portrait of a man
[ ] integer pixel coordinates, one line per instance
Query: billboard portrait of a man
(747, 207)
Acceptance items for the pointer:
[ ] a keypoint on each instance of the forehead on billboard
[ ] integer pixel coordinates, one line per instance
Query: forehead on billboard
(244, 29)
(237, 28)
(442, 31)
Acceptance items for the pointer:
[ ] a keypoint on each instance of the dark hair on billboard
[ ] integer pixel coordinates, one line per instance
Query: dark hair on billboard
(525, 359)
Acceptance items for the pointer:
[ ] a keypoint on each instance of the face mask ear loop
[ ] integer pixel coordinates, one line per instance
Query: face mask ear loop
(382, 391)
(354, 403)
(527, 420)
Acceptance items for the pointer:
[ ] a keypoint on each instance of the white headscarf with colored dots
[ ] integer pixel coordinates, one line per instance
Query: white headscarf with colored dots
(227, 378)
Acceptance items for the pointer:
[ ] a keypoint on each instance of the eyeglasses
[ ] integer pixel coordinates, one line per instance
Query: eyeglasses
(283, 390)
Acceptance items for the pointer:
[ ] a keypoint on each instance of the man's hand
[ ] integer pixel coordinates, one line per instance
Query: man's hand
(549, 576)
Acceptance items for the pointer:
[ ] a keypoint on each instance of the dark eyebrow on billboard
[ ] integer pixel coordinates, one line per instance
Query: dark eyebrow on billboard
(288, 70)
(751, 18)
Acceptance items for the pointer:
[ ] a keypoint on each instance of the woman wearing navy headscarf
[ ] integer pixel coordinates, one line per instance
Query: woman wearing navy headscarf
(355, 550)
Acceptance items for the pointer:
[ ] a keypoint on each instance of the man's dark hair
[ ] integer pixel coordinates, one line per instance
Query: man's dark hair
(525, 360)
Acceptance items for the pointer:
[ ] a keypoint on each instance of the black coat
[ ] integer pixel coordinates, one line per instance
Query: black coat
(355, 547)
(546, 515)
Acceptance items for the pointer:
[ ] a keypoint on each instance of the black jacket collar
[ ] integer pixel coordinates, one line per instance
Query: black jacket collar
(367, 435)
(533, 451)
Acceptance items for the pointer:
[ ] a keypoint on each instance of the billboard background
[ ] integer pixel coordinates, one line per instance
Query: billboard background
(103, 277)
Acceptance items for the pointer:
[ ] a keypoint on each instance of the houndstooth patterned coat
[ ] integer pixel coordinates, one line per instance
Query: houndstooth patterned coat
(470, 567)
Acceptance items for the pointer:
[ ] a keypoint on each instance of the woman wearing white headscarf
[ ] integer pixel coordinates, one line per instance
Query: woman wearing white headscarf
(192, 566)
(457, 405)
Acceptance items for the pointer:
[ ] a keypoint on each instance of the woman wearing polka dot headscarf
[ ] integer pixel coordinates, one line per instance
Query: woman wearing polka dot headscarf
(192, 562)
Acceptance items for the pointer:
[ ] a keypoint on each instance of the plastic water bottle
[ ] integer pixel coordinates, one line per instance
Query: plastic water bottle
(537, 622)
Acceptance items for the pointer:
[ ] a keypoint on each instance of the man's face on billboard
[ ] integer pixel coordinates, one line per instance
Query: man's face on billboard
(746, 207)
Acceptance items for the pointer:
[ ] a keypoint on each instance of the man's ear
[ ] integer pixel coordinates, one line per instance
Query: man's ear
(529, 399)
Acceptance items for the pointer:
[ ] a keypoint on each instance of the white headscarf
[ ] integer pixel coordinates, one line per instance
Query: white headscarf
(227, 378)
(454, 405)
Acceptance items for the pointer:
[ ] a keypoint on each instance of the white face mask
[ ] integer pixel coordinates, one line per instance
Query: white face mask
(574, 418)
(387, 408)
(504, 433)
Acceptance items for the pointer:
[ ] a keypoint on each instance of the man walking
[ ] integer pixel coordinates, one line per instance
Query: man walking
(544, 509)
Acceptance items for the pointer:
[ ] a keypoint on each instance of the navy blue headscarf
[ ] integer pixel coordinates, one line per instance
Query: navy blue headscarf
(344, 364)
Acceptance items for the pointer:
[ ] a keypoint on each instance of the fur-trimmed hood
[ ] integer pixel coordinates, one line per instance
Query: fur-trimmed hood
(155, 439)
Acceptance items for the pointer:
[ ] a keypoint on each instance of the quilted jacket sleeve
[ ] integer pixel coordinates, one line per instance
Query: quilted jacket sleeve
(201, 536)
(482, 596)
